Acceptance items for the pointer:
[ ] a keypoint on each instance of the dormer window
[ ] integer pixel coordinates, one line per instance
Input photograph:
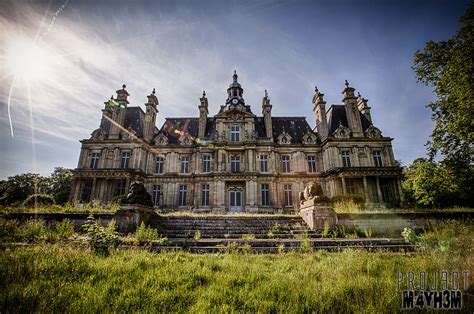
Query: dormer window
(235, 133)
(284, 140)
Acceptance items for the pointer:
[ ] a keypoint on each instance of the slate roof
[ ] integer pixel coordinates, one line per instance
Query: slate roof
(134, 118)
(296, 127)
(336, 115)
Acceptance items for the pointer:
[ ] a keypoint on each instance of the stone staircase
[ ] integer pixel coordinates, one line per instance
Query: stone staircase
(259, 234)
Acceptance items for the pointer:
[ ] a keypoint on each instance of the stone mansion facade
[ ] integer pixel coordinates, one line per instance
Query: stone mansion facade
(237, 161)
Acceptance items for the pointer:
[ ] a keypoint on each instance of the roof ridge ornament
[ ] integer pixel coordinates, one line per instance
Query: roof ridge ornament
(153, 92)
(346, 83)
(235, 76)
(266, 94)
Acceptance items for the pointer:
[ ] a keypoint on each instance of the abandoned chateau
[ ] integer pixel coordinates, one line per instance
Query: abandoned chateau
(236, 160)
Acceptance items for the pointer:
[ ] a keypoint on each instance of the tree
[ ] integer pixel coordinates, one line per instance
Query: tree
(17, 188)
(431, 184)
(448, 66)
(60, 184)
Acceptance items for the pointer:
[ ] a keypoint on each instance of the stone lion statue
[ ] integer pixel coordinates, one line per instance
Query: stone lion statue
(138, 195)
(312, 192)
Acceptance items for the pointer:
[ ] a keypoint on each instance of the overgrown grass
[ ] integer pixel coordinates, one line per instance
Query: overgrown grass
(34, 231)
(59, 278)
(94, 207)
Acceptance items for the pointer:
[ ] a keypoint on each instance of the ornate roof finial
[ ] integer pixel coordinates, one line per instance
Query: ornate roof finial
(358, 95)
(124, 86)
(316, 90)
(346, 83)
(153, 92)
(235, 76)
(203, 93)
(266, 94)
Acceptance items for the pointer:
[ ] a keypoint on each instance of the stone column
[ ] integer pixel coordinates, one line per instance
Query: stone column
(344, 190)
(400, 192)
(93, 191)
(366, 190)
(379, 191)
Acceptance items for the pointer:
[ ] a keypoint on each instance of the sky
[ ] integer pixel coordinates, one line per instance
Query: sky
(85, 50)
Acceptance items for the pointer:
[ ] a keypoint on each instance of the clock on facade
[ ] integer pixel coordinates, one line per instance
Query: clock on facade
(235, 101)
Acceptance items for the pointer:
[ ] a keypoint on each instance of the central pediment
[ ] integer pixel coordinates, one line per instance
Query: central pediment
(234, 113)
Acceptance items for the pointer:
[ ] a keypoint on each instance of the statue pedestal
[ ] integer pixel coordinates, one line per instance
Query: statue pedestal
(318, 215)
(129, 217)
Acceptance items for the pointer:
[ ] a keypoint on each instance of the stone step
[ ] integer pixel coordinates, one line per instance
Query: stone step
(262, 250)
(290, 242)
(237, 236)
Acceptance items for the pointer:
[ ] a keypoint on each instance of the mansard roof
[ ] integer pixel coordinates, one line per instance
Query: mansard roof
(296, 127)
(134, 119)
(337, 116)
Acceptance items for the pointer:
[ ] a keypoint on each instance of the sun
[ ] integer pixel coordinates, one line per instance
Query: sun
(27, 60)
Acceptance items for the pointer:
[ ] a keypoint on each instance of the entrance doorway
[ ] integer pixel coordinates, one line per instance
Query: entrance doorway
(235, 200)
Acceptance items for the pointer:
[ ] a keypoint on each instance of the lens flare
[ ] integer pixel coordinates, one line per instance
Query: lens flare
(27, 60)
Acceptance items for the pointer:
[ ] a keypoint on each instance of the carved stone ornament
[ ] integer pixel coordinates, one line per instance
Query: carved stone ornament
(98, 134)
(312, 194)
(373, 132)
(161, 140)
(309, 138)
(138, 195)
(284, 138)
(342, 132)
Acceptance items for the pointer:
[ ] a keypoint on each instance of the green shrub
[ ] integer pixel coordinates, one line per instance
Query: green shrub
(326, 230)
(410, 236)
(31, 231)
(61, 230)
(145, 234)
(348, 203)
(197, 235)
(8, 230)
(101, 239)
(281, 248)
(306, 246)
(248, 237)
(38, 200)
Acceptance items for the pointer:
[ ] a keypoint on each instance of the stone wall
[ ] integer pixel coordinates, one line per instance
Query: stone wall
(394, 222)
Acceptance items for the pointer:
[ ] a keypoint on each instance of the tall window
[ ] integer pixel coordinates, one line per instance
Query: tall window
(235, 164)
(312, 163)
(235, 133)
(288, 195)
(346, 158)
(286, 164)
(183, 191)
(95, 160)
(159, 164)
(86, 189)
(125, 160)
(206, 163)
(185, 164)
(120, 187)
(378, 162)
(265, 195)
(156, 195)
(205, 195)
(263, 163)
(351, 186)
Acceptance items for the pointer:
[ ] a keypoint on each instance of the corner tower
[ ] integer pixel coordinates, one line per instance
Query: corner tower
(319, 109)
(352, 112)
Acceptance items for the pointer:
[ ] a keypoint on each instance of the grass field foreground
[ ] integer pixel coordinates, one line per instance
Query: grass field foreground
(61, 278)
